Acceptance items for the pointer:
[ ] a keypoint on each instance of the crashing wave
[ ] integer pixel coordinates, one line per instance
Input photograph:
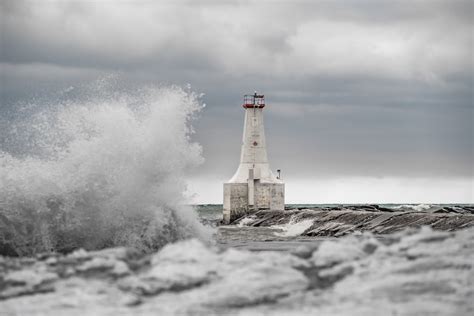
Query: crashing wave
(293, 227)
(99, 171)
(414, 207)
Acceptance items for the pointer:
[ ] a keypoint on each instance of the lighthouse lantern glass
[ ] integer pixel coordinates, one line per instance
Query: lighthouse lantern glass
(254, 100)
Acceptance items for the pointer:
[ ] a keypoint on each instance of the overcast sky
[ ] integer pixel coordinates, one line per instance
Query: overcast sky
(367, 101)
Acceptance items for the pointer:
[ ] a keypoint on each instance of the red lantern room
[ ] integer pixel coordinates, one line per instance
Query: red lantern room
(254, 101)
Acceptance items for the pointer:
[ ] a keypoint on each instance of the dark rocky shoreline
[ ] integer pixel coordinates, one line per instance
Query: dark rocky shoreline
(341, 220)
(460, 209)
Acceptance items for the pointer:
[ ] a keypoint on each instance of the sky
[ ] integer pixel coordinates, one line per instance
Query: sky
(367, 101)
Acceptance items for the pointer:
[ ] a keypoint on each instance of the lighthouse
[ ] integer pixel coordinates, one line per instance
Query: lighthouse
(253, 186)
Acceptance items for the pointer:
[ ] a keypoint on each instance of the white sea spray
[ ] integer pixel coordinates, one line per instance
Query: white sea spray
(100, 171)
(294, 227)
(414, 207)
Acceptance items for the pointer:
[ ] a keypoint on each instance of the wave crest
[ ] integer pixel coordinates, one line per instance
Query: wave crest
(101, 172)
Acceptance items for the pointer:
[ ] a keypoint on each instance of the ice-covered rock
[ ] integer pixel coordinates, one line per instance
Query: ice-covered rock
(28, 281)
(416, 272)
(349, 249)
(176, 267)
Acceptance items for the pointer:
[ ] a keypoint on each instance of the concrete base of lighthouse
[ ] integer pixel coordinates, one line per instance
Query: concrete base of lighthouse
(241, 198)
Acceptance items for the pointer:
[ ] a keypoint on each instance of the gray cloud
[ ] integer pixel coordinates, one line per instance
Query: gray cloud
(362, 88)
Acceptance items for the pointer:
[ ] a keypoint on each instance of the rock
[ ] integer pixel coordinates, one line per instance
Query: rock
(332, 252)
(417, 271)
(337, 221)
(27, 281)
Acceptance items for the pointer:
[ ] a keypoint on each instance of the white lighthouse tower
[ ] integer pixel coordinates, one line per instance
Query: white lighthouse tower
(253, 185)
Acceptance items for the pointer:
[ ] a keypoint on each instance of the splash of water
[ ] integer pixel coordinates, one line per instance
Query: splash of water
(100, 171)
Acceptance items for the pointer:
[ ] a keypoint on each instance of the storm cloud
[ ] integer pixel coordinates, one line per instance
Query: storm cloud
(355, 89)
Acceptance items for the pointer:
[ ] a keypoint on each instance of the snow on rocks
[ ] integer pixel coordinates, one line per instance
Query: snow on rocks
(27, 281)
(418, 271)
(349, 249)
